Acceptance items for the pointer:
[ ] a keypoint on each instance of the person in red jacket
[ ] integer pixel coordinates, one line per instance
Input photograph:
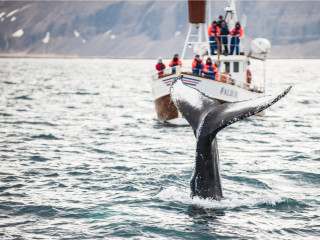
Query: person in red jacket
(210, 70)
(160, 67)
(214, 32)
(237, 32)
(175, 62)
(197, 65)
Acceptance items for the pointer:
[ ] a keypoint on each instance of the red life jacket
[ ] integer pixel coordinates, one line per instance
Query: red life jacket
(237, 32)
(214, 31)
(160, 67)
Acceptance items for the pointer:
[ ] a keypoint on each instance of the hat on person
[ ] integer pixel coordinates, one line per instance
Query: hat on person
(159, 59)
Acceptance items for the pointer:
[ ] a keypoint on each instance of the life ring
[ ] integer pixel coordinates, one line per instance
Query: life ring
(248, 76)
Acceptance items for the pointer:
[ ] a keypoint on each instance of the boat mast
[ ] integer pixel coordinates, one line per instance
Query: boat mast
(231, 14)
(209, 15)
(264, 74)
(197, 27)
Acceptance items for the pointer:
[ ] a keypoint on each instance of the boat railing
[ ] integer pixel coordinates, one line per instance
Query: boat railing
(165, 72)
(226, 44)
(224, 77)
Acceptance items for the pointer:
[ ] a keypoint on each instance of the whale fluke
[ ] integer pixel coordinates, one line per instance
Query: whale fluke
(196, 107)
(207, 117)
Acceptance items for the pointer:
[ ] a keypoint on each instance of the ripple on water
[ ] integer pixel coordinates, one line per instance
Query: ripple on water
(249, 181)
(32, 123)
(38, 158)
(307, 177)
(45, 137)
(15, 186)
(24, 97)
(86, 93)
(285, 204)
(45, 211)
(8, 178)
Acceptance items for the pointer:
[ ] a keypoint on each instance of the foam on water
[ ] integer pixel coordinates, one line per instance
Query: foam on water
(231, 201)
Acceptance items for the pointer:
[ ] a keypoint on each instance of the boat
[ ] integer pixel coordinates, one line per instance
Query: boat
(233, 82)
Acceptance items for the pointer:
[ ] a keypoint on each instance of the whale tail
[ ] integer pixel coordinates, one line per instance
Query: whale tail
(206, 114)
(207, 117)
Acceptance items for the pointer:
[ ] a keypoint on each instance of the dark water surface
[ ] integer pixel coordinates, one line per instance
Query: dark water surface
(83, 157)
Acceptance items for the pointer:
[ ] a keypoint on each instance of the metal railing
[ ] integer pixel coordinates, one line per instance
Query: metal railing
(225, 48)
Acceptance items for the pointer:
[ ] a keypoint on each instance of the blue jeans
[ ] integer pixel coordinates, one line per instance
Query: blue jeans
(234, 43)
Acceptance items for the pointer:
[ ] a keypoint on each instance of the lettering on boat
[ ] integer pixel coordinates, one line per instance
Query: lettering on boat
(229, 92)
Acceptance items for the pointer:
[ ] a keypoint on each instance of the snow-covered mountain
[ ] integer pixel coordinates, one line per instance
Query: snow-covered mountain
(146, 29)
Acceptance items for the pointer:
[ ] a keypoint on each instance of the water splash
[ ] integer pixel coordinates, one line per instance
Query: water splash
(234, 200)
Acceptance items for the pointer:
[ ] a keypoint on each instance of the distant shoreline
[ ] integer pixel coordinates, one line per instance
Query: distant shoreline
(16, 55)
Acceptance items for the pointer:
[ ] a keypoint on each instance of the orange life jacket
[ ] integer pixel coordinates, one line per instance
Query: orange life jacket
(173, 63)
(214, 31)
(210, 68)
(237, 32)
(194, 64)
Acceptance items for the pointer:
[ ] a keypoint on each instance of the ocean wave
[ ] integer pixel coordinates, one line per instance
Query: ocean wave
(24, 97)
(38, 158)
(38, 210)
(309, 177)
(45, 136)
(250, 181)
(28, 122)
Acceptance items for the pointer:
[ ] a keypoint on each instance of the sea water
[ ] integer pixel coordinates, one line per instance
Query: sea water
(82, 156)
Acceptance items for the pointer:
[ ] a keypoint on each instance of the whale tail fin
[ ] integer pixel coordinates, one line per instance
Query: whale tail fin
(200, 110)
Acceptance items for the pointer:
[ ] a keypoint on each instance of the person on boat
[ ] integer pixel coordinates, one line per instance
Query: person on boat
(197, 65)
(214, 32)
(160, 67)
(220, 21)
(210, 70)
(175, 62)
(237, 32)
(224, 38)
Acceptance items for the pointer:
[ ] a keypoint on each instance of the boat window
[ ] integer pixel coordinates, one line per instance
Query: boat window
(236, 67)
(227, 67)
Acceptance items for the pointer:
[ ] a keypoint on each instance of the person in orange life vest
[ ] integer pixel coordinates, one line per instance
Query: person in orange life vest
(237, 32)
(175, 62)
(210, 70)
(197, 65)
(160, 66)
(213, 31)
